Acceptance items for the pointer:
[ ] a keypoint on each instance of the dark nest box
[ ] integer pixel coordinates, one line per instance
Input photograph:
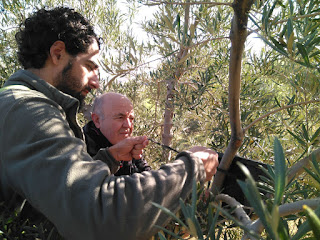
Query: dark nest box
(230, 185)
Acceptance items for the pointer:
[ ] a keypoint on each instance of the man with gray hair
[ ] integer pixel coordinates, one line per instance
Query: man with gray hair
(112, 121)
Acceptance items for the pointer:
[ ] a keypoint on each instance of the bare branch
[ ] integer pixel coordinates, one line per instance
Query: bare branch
(238, 208)
(298, 168)
(211, 4)
(285, 210)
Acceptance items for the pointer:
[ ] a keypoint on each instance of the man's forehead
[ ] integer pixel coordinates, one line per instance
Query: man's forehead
(124, 113)
(118, 108)
(92, 54)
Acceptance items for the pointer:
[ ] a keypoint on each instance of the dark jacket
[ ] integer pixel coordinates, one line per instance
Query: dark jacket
(95, 140)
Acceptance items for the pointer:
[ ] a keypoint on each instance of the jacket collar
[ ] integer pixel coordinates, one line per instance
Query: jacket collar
(32, 81)
(95, 134)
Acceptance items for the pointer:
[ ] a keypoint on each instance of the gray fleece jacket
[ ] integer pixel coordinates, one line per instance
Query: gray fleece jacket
(43, 158)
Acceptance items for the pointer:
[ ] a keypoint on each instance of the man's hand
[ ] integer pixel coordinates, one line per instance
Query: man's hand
(209, 159)
(131, 147)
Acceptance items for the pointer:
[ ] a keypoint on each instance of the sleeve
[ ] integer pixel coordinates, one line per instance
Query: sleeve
(105, 156)
(43, 162)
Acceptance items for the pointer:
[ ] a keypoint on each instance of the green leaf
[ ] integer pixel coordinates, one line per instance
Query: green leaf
(305, 133)
(167, 231)
(274, 45)
(168, 212)
(315, 135)
(161, 237)
(300, 140)
(252, 194)
(212, 222)
(275, 215)
(192, 227)
(314, 221)
(304, 54)
(304, 227)
(280, 172)
(291, 7)
(283, 230)
(290, 44)
(289, 28)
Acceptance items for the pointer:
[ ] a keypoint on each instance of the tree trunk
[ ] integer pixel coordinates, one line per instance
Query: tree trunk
(171, 83)
(238, 35)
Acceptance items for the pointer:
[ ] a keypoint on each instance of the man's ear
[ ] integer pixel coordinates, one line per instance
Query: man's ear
(96, 119)
(57, 51)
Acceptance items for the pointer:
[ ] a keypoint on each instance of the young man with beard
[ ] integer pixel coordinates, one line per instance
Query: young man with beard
(112, 121)
(43, 157)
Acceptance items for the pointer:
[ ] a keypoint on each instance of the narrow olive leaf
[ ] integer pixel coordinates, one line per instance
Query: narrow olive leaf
(305, 132)
(315, 41)
(283, 229)
(192, 30)
(291, 7)
(304, 228)
(290, 44)
(198, 228)
(254, 22)
(289, 28)
(315, 54)
(315, 164)
(178, 26)
(314, 221)
(168, 23)
(280, 172)
(252, 194)
(315, 135)
(192, 228)
(213, 223)
(161, 237)
(304, 54)
(264, 19)
(309, 39)
(300, 140)
(167, 231)
(185, 210)
(275, 216)
(168, 212)
(276, 46)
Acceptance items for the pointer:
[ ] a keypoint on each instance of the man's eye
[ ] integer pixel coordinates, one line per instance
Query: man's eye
(89, 67)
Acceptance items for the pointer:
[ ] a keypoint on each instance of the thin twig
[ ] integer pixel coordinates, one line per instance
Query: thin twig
(278, 110)
(154, 2)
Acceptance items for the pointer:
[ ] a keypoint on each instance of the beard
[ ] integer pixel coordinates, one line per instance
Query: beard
(69, 84)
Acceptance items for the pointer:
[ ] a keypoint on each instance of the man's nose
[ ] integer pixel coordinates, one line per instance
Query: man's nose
(94, 80)
(127, 123)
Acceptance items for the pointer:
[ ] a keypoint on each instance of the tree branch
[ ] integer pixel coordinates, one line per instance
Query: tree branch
(238, 35)
(298, 167)
(211, 4)
(238, 208)
(285, 210)
(278, 110)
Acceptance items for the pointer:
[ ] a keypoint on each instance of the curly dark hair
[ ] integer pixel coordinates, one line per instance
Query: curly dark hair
(45, 27)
